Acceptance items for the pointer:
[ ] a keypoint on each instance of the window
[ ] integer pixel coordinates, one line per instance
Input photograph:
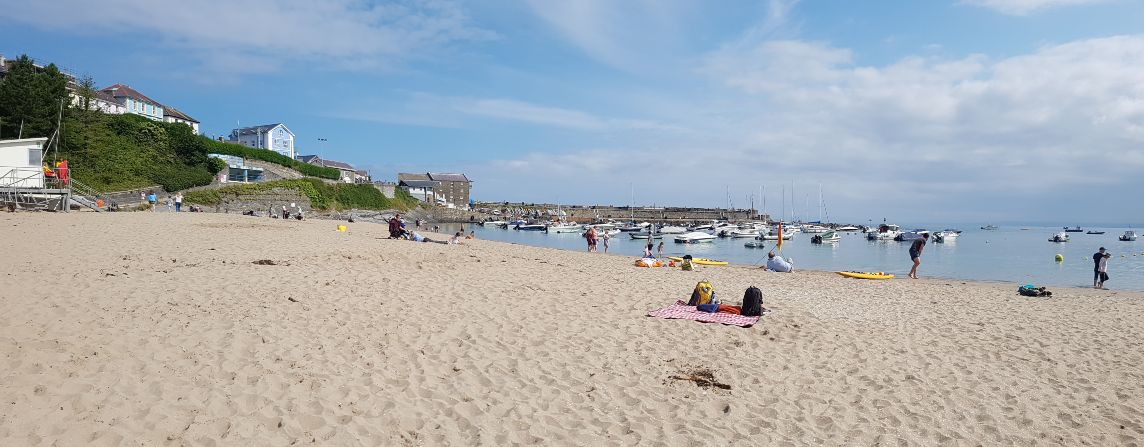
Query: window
(34, 157)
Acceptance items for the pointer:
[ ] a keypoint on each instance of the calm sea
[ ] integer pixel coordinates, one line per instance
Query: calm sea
(1007, 254)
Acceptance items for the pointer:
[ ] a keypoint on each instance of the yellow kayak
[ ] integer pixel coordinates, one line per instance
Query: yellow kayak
(700, 261)
(866, 275)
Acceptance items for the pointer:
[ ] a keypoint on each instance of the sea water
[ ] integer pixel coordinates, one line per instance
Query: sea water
(1015, 255)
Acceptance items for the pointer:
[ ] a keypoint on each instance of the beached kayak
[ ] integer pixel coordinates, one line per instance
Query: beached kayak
(866, 275)
(700, 261)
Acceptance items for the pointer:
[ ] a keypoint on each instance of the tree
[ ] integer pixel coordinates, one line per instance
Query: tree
(30, 97)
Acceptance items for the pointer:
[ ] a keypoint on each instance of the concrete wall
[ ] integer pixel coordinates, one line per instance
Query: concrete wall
(260, 201)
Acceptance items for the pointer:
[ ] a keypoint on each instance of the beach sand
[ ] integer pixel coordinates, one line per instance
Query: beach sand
(164, 329)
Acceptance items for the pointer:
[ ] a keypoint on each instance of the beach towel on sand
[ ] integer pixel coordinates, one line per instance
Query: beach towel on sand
(682, 311)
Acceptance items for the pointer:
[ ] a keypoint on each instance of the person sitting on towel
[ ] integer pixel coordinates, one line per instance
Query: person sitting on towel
(776, 263)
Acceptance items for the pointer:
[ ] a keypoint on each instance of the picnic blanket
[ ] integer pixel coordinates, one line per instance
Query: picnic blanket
(682, 311)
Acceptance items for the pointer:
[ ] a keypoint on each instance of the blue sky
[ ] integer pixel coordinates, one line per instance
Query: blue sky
(939, 110)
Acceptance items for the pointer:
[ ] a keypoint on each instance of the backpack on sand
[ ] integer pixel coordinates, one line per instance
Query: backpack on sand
(704, 293)
(753, 302)
(1031, 290)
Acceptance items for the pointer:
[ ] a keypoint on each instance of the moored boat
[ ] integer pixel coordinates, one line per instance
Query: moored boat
(1094, 232)
(1075, 229)
(672, 229)
(910, 236)
(694, 237)
(1059, 237)
(531, 227)
(884, 232)
(989, 227)
(565, 228)
(1128, 236)
(646, 235)
(825, 238)
(946, 236)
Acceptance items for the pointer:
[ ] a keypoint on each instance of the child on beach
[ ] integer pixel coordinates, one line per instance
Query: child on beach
(661, 249)
(606, 237)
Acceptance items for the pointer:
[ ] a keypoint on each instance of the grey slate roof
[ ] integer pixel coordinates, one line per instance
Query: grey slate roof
(409, 176)
(338, 165)
(448, 177)
(418, 183)
(122, 90)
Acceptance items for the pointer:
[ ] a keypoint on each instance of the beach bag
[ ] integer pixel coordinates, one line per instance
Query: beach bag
(686, 263)
(704, 293)
(753, 302)
(1031, 290)
(1103, 276)
(709, 308)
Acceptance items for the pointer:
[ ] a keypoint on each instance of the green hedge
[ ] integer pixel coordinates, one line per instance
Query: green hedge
(238, 150)
(322, 195)
(118, 152)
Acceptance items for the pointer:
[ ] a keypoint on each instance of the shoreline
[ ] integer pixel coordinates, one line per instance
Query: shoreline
(209, 328)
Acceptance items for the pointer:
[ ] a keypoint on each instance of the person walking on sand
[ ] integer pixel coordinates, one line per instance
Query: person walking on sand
(916, 254)
(152, 200)
(179, 202)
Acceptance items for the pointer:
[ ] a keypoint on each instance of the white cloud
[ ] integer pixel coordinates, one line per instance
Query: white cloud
(426, 109)
(330, 32)
(1024, 7)
(1064, 121)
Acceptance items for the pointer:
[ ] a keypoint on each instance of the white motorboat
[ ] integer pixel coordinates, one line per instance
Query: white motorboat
(772, 236)
(848, 229)
(1128, 236)
(813, 229)
(1059, 237)
(531, 227)
(602, 226)
(565, 228)
(632, 226)
(694, 237)
(825, 238)
(884, 232)
(494, 223)
(755, 244)
(646, 235)
(910, 236)
(745, 233)
(946, 236)
(672, 229)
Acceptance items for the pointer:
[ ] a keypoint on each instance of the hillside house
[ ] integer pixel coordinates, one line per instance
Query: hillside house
(275, 137)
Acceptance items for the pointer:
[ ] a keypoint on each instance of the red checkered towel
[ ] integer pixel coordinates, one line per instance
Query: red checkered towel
(682, 311)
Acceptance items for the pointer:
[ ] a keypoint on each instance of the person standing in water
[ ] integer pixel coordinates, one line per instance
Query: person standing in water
(661, 249)
(591, 236)
(916, 248)
(606, 237)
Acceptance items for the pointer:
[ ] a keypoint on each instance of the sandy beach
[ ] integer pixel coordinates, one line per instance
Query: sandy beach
(201, 329)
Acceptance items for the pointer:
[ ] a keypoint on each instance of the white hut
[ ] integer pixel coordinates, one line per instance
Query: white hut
(21, 163)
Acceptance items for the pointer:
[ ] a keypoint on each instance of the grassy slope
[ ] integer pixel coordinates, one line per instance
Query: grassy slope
(322, 196)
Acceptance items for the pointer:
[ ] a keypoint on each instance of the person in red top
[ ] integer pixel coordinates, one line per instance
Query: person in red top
(62, 170)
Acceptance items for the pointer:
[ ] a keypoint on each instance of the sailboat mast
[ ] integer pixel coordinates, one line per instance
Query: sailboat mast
(820, 203)
(783, 215)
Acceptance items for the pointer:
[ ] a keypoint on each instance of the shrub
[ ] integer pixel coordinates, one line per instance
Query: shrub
(238, 150)
(323, 196)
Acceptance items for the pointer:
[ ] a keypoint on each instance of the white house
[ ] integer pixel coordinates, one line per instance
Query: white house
(275, 137)
(21, 163)
(135, 102)
(172, 115)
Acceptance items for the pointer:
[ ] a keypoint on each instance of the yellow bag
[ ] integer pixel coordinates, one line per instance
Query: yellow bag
(704, 294)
